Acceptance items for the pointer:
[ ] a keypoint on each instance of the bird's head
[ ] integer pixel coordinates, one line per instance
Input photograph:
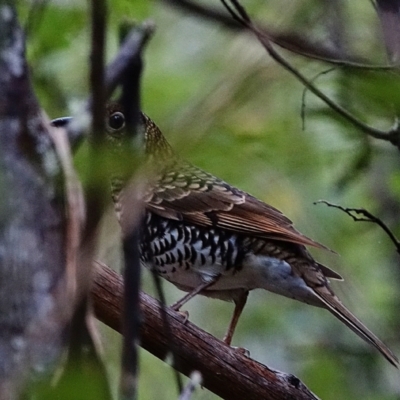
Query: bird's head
(154, 142)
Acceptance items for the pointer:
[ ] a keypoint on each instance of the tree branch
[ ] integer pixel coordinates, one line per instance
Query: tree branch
(224, 370)
(239, 13)
(366, 217)
(301, 46)
(130, 101)
(128, 53)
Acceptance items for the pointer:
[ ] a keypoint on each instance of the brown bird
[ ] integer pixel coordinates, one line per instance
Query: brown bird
(210, 238)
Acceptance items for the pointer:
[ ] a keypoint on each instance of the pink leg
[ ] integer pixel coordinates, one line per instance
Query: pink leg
(176, 306)
(239, 305)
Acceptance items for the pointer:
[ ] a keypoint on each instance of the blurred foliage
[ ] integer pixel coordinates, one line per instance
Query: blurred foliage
(228, 108)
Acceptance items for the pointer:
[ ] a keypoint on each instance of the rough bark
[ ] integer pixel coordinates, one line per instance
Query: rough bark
(225, 371)
(32, 223)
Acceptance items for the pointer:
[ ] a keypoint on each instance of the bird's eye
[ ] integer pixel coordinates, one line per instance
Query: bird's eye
(116, 121)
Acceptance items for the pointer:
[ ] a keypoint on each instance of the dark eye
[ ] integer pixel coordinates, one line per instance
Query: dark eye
(116, 121)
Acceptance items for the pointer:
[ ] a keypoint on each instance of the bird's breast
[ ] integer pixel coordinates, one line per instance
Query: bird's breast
(187, 254)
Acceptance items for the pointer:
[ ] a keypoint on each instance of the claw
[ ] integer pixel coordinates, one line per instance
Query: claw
(185, 315)
(242, 351)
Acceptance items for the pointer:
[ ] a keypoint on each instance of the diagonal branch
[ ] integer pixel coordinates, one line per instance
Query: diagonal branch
(366, 216)
(298, 45)
(239, 14)
(224, 370)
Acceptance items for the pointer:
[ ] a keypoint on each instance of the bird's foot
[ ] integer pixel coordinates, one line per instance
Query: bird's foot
(242, 351)
(185, 315)
(176, 307)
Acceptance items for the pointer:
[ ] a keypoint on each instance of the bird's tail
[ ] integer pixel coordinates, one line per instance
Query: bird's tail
(335, 306)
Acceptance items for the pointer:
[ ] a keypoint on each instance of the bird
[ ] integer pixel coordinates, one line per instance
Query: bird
(208, 237)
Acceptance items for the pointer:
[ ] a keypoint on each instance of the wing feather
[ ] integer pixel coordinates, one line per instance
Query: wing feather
(195, 196)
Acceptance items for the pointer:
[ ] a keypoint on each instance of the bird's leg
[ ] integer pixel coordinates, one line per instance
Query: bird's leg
(239, 305)
(176, 306)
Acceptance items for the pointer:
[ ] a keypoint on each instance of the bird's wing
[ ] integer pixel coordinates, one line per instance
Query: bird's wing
(195, 196)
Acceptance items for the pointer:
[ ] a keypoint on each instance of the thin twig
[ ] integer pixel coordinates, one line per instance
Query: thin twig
(130, 101)
(97, 57)
(120, 70)
(366, 217)
(167, 328)
(288, 41)
(96, 189)
(132, 46)
(392, 135)
(131, 317)
(303, 97)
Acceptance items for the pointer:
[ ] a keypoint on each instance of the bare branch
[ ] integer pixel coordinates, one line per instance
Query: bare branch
(225, 371)
(298, 45)
(303, 97)
(131, 241)
(96, 191)
(239, 13)
(172, 344)
(366, 217)
(127, 54)
(125, 71)
(97, 57)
